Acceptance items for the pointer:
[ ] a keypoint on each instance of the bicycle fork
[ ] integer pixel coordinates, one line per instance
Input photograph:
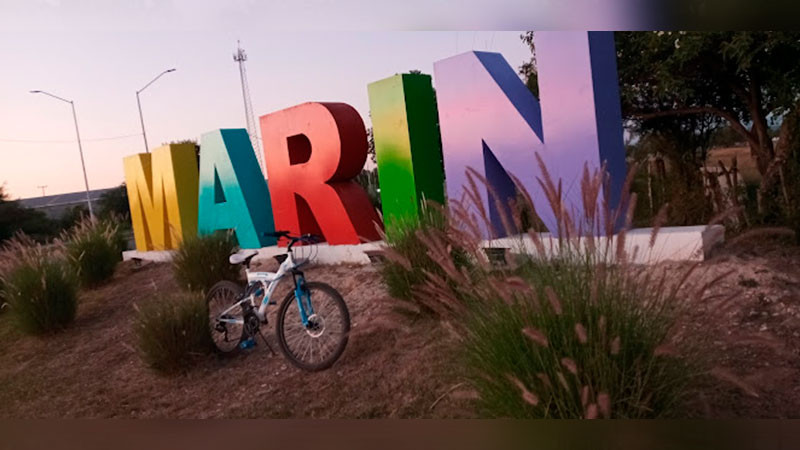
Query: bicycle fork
(303, 296)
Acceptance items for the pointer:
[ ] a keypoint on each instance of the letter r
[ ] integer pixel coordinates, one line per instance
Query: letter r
(313, 151)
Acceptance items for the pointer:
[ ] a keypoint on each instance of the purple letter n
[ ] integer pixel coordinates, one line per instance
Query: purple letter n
(492, 123)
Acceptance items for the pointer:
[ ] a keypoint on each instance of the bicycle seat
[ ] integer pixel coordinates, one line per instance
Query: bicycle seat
(242, 257)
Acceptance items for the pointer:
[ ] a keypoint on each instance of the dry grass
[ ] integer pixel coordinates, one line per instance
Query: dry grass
(94, 248)
(39, 285)
(407, 263)
(575, 330)
(391, 368)
(750, 312)
(172, 331)
(201, 261)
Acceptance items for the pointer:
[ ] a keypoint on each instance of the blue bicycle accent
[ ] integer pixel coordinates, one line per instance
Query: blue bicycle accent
(303, 296)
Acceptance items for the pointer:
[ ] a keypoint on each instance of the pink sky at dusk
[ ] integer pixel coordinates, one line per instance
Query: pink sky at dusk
(99, 52)
(101, 70)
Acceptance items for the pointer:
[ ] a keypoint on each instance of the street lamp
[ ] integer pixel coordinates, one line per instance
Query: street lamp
(80, 148)
(139, 103)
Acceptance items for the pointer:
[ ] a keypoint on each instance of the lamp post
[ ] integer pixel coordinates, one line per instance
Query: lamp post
(80, 148)
(139, 103)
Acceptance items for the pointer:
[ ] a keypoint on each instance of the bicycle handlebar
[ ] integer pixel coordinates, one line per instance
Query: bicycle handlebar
(308, 237)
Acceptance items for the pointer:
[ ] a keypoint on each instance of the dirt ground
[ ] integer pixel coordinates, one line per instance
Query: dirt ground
(757, 337)
(389, 368)
(392, 367)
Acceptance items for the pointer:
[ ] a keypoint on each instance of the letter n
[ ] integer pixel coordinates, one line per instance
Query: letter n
(313, 151)
(491, 122)
(162, 191)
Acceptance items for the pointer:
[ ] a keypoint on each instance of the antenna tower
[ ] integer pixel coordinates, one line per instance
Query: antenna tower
(240, 57)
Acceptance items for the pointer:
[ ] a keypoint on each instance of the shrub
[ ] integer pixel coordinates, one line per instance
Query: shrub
(580, 341)
(16, 218)
(172, 332)
(40, 287)
(94, 247)
(570, 328)
(202, 261)
(5, 260)
(401, 275)
(407, 262)
(3, 304)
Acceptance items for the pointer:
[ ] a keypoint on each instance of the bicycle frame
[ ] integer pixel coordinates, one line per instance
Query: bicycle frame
(268, 281)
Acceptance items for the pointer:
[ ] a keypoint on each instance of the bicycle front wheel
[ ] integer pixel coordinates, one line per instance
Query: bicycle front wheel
(319, 343)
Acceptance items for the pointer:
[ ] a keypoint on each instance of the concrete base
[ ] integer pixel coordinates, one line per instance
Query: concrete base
(320, 253)
(154, 255)
(671, 244)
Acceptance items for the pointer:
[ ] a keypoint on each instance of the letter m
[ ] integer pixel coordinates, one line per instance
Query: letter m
(162, 191)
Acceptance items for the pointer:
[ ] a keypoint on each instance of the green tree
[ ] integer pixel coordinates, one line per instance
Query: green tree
(115, 202)
(371, 146)
(528, 69)
(745, 79)
(72, 216)
(683, 143)
(16, 218)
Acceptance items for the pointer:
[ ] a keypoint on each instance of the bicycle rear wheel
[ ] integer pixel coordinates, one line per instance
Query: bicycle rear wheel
(319, 344)
(226, 326)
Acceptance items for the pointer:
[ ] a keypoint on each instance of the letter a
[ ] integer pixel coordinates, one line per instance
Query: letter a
(233, 192)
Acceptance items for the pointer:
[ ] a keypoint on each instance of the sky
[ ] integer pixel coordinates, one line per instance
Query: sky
(101, 69)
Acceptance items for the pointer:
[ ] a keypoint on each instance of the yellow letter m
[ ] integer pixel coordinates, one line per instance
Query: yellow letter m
(162, 191)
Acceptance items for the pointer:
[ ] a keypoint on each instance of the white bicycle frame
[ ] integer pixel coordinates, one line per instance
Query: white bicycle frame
(269, 281)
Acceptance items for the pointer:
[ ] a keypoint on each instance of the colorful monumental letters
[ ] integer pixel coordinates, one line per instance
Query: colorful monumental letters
(233, 192)
(491, 122)
(488, 121)
(313, 151)
(162, 191)
(404, 118)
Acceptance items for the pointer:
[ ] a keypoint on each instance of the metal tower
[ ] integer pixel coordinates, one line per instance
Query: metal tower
(240, 56)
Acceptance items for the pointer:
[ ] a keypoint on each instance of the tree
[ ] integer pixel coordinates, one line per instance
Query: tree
(371, 146)
(115, 202)
(72, 216)
(745, 79)
(16, 218)
(683, 143)
(528, 69)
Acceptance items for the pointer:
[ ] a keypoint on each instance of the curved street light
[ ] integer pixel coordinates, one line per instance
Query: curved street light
(80, 148)
(139, 103)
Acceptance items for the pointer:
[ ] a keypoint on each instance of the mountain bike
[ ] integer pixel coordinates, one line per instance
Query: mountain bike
(312, 323)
